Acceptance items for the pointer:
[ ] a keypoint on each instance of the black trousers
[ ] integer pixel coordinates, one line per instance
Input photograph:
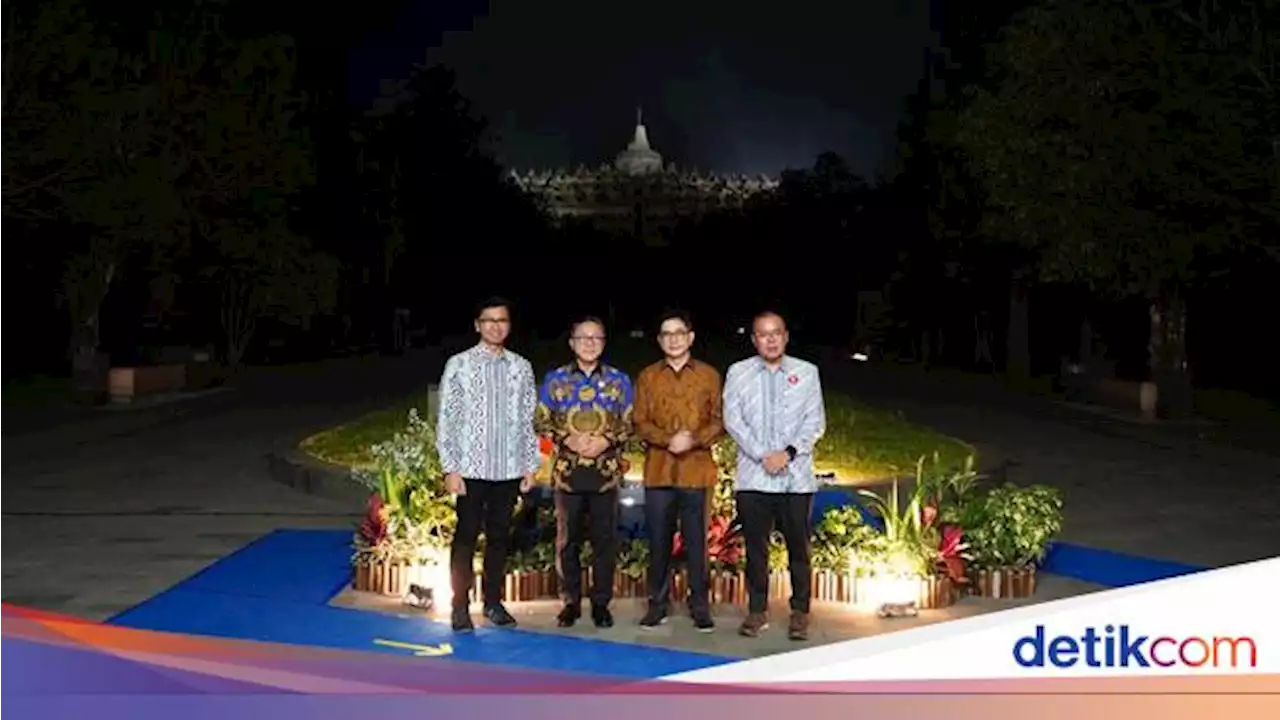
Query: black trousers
(791, 513)
(663, 508)
(487, 506)
(587, 516)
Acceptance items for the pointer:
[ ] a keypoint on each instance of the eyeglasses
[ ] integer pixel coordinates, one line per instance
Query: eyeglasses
(672, 335)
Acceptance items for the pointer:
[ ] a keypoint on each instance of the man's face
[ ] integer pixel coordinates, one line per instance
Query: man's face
(587, 342)
(494, 325)
(674, 337)
(769, 335)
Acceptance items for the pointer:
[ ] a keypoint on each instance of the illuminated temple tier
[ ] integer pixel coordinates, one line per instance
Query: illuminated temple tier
(638, 195)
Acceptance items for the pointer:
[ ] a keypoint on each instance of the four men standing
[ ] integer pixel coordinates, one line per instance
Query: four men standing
(490, 409)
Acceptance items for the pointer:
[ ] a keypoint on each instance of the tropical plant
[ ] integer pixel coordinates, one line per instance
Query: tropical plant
(946, 490)
(410, 516)
(724, 544)
(841, 536)
(1012, 525)
(633, 558)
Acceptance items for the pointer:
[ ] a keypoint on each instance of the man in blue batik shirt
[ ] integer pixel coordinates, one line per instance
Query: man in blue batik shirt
(773, 410)
(585, 408)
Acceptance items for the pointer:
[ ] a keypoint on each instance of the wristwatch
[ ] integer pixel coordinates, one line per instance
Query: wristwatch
(791, 452)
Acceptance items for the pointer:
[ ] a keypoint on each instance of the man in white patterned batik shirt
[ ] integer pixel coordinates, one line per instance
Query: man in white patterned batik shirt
(489, 454)
(773, 410)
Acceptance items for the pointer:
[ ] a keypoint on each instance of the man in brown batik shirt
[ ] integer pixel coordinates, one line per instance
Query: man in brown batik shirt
(678, 415)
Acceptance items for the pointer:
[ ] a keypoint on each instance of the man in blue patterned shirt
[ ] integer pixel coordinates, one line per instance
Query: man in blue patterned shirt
(489, 454)
(585, 408)
(773, 410)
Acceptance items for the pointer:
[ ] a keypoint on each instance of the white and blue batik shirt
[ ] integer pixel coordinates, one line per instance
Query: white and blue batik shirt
(484, 429)
(766, 410)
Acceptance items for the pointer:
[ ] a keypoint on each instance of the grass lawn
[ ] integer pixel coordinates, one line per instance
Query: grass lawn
(348, 444)
(37, 391)
(864, 443)
(861, 444)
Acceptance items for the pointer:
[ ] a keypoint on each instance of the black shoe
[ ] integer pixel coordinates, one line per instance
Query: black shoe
(601, 616)
(657, 615)
(498, 616)
(702, 621)
(569, 615)
(462, 620)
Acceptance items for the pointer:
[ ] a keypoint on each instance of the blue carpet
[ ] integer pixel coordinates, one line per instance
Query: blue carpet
(276, 589)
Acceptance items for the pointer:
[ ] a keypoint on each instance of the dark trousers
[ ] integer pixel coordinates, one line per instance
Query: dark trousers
(487, 506)
(663, 508)
(791, 513)
(587, 516)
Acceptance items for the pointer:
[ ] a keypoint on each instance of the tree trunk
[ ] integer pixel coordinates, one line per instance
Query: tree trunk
(1167, 350)
(237, 320)
(1017, 363)
(86, 288)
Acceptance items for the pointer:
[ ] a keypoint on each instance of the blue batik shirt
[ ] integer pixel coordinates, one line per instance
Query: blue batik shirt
(595, 403)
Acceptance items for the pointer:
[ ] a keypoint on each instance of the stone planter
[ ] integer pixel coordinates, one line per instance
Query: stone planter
(125, 384)
(1004, 583)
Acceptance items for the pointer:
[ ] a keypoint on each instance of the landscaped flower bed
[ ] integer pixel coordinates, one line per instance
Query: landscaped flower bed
(948, 535)
(862, 443)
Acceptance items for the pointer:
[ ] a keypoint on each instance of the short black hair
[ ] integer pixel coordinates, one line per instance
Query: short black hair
(767, 313)
(573, 326)
(489, 303)
(676, 314)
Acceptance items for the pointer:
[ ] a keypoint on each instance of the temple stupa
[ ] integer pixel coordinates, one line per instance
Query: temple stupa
(638, 195)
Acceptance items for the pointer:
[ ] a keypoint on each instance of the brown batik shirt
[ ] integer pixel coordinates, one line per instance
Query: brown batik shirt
(668, 401)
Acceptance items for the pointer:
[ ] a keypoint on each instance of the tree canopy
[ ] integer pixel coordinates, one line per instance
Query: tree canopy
(1127, 144)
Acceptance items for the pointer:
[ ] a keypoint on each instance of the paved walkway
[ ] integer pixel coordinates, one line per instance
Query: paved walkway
(1148, 490)
(99, 517)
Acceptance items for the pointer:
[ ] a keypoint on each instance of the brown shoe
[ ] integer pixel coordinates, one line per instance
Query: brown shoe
(755, 624)
(798, 628)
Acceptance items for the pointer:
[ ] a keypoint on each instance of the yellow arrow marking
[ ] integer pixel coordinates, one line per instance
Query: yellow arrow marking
(419, 650)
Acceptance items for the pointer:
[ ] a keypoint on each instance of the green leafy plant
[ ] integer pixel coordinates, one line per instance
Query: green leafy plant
(777, 552)
(1011, 526)
(947, 489)
(909, 544)
(411, 518)
(841, 536)
(633, 558)
(541, 557)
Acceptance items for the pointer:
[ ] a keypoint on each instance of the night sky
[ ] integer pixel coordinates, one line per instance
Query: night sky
(730, 87)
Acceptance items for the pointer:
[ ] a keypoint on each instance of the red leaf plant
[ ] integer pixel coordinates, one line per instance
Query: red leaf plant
(951, 545)
(724, 547)
(950, 554)
(373, 529)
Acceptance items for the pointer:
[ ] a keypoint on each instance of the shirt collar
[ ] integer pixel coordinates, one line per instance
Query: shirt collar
(596, 374)
(483, 352)
(690, 364)
(783, 366)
